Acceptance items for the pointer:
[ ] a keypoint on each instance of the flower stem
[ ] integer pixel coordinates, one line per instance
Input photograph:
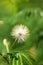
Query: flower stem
(7, 49)
(17, 61)
(21, 63)
(27, 59)
(14, 42)
(13, 62)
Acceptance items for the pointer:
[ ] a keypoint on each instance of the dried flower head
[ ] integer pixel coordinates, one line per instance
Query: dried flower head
(5, 42)
(41, 13)
(1, 22)
(20, 32)
(32, 51)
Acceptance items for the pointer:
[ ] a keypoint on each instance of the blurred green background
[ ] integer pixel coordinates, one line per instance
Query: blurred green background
(26, 12)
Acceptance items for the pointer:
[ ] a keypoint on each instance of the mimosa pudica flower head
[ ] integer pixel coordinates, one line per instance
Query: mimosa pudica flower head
(20, 32)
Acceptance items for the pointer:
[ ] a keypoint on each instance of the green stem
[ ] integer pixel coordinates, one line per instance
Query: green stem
(14, 42)
(27, 59)
(21, 63)
(13, 62)
(7, 48)
(17, 61)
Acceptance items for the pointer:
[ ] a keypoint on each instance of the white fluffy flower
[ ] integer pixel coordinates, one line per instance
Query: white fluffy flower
(20, 32)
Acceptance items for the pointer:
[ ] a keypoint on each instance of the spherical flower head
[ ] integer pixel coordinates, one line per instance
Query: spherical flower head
(20, 32)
